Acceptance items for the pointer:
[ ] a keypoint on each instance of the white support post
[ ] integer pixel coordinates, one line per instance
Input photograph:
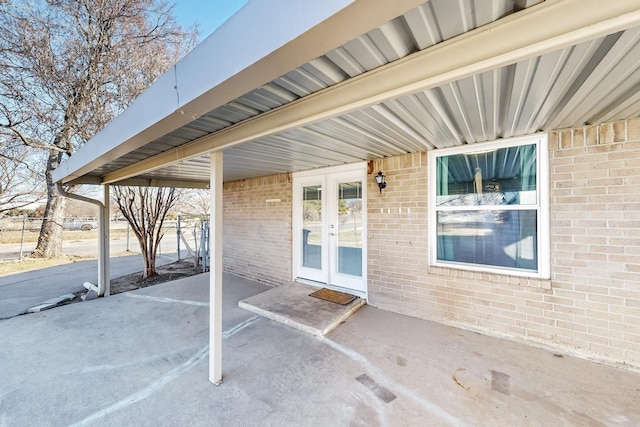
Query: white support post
(104, 258)
(215, 276)
(104, 285)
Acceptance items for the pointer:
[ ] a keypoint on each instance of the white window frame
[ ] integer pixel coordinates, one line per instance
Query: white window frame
(542, 206)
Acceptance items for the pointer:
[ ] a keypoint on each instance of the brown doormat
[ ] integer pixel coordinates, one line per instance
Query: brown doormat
(333, 296)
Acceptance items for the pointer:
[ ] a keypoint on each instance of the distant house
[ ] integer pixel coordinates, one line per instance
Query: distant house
(507, 134)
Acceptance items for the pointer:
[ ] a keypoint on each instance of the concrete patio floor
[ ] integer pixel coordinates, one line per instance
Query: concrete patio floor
(140, 358)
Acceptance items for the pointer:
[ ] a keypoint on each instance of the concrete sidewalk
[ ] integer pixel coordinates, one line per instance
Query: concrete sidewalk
(20, 291)
(140, 358)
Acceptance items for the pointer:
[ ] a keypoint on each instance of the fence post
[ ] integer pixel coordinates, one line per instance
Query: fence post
(204, 245)
(195, 244)
(128, 228)
(24, 223)
(178, 236)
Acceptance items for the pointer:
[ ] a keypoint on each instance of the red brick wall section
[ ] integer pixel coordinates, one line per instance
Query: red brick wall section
(591, 305)
(257, 228)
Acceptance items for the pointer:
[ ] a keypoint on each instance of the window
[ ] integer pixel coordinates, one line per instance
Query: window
(489, 207)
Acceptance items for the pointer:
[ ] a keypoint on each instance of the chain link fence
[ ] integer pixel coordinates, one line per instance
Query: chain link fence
(19, 237)
(193, 237)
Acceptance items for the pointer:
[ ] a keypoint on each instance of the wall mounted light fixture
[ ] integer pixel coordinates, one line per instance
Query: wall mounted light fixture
(380, 181)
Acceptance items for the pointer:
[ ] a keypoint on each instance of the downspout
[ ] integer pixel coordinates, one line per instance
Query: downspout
(104, 287)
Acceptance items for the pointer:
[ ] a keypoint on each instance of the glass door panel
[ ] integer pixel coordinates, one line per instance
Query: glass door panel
(345, 201)
(312, 240)
(349, 228)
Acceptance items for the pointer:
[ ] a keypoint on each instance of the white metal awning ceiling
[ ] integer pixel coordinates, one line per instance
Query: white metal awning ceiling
(595, 80)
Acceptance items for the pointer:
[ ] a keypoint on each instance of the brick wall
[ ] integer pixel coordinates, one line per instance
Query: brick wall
(591, 305)
(397, 233)
(257, 228)
(595, 199)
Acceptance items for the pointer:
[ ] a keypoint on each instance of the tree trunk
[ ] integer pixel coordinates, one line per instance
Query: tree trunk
(50, 238)
(148, 256)
(150, 264)
(155, 237)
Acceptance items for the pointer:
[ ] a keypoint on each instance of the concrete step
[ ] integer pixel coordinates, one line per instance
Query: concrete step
(291, 305)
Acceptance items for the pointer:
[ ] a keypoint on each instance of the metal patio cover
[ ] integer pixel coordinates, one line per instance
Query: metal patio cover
(290, 85)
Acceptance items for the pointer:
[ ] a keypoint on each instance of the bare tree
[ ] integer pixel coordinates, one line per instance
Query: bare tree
(78, 209)
(196, 201)
(20, 183)
(67, 67)
(146, 209)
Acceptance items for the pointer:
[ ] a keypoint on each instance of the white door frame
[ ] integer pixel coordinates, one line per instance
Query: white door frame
(321, 177)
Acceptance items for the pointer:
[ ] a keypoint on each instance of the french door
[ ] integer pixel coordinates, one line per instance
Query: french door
(329, 235)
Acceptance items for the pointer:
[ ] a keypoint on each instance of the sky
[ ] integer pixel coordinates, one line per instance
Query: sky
(208, 14)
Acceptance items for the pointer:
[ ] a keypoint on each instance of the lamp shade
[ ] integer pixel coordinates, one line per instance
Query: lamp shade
(380, 181)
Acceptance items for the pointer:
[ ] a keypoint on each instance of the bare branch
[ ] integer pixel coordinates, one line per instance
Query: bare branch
(67, 67)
